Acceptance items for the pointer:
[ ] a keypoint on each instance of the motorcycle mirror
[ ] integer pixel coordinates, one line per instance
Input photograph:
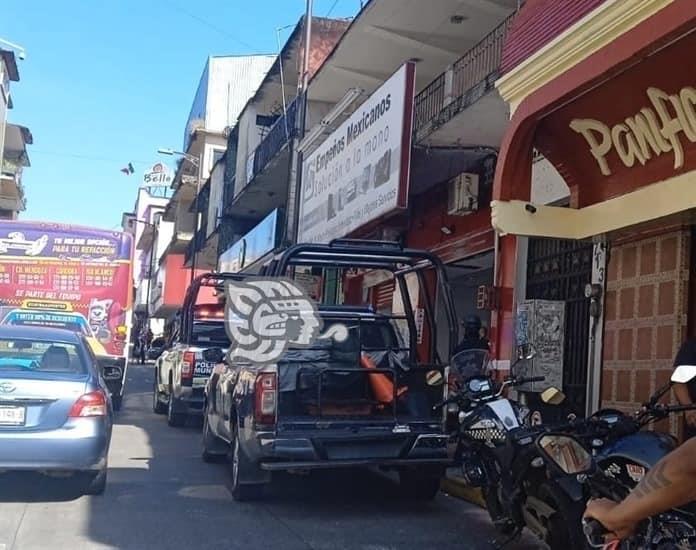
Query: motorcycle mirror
(683, 374)
(552, 396)
(526, 351)
(565, 453)
(434, 378)
(213, 355)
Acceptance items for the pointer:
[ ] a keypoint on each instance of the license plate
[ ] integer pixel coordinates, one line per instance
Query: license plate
(12, 416)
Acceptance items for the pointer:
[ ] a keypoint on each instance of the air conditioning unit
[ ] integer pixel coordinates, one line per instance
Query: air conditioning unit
(463, 194)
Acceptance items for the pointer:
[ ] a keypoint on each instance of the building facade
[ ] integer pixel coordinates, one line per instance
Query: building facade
(13, 144)
(603, 91)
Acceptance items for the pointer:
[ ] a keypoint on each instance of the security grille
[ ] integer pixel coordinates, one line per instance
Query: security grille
(560, 269)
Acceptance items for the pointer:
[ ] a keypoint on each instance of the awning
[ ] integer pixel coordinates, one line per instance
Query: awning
(649, 203)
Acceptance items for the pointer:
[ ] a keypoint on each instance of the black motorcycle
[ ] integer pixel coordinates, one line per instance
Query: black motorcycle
(496, 451)
(671, 530)
(619, 445)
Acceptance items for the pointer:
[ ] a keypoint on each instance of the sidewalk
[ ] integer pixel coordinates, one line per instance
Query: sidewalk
(453, 484)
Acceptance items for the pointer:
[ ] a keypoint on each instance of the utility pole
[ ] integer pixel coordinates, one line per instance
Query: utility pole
(199, 176)
(295, 179)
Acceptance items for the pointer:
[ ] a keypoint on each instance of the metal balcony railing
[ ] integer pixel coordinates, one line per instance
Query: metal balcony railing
(473, 68)
(280, 133)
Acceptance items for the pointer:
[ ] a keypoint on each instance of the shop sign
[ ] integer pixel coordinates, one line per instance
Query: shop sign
(635, 128)
(649, 133)
(360, 173)
(258, 242)
(261, 239)
(157, 176)
(232, 259)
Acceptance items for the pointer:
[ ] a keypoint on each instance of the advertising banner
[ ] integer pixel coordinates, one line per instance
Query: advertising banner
(360, 173)
(69, 277)
(158, 175)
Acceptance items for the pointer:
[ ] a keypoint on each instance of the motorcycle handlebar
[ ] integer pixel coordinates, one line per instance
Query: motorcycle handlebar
(594, 532)
(529, 379)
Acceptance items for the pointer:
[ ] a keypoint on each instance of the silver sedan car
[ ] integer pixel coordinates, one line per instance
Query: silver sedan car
(55, 412)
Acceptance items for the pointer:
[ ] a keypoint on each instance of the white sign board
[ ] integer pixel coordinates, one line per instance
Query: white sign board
(157, 176)
(360, 173)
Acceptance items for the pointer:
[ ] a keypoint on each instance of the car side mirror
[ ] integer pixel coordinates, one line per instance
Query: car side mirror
(552, 396)
(683, 374)
(214, 355)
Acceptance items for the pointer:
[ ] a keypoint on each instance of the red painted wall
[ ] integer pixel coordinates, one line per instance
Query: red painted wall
(537, 23)
(177, 279)
(471, 234)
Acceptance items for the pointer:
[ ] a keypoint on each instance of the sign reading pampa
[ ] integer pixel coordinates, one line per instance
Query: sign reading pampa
(360, 173)
(157, 176)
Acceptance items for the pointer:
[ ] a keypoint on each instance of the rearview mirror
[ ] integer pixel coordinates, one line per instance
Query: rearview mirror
(566, 453)
(552, 396)
(213, 355)
(683, 374)
(434, 378)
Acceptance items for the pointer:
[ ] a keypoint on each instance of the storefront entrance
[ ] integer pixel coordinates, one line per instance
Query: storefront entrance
(560, 269)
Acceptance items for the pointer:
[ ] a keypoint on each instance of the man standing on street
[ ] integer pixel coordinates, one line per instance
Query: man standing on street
(686, 393)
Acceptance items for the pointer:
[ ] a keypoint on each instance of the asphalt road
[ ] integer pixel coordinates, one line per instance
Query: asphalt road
(161, 495)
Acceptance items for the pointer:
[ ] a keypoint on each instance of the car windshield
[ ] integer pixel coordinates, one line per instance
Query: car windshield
(40, 355)
(206, 333)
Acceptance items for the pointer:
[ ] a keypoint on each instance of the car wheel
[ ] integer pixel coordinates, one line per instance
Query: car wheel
(242, 491)
(157, 406)
(174, 419)
(420, 484)
(211, 444)
(97, 483)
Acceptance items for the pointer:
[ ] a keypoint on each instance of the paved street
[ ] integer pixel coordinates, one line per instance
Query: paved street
(161, 495)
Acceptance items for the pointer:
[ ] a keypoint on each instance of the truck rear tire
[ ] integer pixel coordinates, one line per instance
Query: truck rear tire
(242, 492)
(420, 484)
(174, 419)
(157, 406)
(211, 444)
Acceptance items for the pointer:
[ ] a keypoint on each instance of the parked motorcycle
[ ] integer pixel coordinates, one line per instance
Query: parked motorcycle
(496, 451)
(619, 445)
(609, 455)
(671, 530)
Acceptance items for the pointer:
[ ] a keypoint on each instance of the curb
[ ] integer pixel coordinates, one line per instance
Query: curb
(457, 488)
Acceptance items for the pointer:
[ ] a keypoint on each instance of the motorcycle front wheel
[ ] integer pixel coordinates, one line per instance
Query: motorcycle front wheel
(565, 525)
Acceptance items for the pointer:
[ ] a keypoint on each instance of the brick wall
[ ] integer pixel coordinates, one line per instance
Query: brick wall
(537, 23)
(646, 315)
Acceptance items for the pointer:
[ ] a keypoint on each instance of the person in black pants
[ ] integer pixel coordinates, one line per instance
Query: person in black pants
(686, 393)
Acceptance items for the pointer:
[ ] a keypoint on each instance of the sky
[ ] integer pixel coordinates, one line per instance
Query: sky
(107, 82)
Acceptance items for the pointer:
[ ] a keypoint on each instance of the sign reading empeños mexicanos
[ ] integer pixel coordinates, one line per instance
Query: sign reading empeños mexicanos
(360, 173)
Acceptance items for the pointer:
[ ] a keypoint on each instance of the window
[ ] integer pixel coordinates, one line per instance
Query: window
(40, 356)
(210, 334)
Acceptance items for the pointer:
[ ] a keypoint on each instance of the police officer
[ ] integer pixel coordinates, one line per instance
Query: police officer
(472, 337)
